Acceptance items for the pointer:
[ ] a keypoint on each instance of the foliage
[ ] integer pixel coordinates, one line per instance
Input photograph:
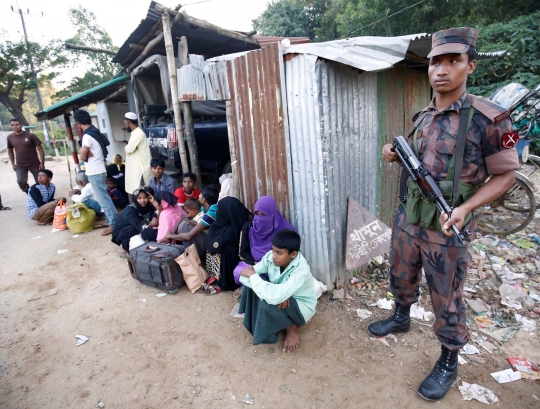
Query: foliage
(519, 37)
(89, 32)
(16, 74)
(291, 18)
(324, 20)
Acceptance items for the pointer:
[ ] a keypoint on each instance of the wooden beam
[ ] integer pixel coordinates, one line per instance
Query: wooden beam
(188, 115)
(171, 64)
(154, 42)
(70, 46)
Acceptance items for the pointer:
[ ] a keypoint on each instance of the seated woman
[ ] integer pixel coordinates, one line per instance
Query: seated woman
(187, 223)
(284, 301)
(222, 244)
(208, 201)
(169, 213)
(256, 237)
(138, 218)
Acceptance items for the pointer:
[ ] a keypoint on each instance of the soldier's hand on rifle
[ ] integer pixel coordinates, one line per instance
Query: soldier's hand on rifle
(458, 218)
(388, 153)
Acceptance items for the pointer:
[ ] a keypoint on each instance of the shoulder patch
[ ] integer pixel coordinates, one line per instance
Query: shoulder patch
(494, 112)
(502, 116)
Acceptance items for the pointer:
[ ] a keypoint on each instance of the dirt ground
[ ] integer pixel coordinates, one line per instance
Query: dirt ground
(185, 350)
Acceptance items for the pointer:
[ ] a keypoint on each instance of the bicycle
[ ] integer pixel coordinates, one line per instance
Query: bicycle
(514, 210)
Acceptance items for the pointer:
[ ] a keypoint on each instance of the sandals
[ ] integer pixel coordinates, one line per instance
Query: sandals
(210, 289)
(5, 208)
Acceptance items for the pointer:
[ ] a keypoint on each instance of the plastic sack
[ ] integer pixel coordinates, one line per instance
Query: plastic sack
(60, 215)
(136, 241)
(238, 271)
(80, 219)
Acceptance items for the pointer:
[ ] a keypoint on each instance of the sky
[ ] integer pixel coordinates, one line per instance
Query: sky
(118, 18)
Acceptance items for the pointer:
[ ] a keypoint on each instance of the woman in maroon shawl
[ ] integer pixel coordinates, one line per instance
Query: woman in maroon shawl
(256, 237)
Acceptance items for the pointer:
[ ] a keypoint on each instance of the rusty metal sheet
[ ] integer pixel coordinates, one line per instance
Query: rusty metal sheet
(217, 83)
(259, 126)
(191, 84)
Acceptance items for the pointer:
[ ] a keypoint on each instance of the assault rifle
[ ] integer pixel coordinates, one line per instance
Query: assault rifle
(425, 182)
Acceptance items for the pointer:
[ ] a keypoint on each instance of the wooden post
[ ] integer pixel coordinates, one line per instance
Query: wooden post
(232, 149)
(167, 36)
(188, 116)
(72, 143)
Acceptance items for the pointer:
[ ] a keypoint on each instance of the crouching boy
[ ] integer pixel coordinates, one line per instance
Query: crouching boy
(286, 301)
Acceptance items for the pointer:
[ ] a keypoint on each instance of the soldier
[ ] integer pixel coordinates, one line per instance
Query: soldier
(417, 242)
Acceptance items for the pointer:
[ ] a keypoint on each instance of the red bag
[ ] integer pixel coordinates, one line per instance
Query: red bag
(60, 215)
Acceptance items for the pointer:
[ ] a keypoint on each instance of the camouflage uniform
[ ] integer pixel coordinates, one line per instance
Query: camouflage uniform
(444, 259)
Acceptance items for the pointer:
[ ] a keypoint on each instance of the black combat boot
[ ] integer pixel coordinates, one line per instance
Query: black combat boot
(443, 375)
(399, 322)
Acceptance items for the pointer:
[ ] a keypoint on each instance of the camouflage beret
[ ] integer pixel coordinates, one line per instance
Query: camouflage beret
(453, 41)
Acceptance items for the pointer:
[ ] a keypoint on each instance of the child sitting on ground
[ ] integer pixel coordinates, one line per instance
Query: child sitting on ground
(117, 197)
(187, 190)
(286, 301)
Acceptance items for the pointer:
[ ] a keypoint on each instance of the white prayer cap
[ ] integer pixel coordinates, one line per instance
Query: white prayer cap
(131, 115)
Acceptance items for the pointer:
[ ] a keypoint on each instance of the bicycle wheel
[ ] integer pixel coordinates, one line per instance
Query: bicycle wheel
(510, 213)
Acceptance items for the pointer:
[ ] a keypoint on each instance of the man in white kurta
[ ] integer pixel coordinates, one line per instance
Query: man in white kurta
(137, 155)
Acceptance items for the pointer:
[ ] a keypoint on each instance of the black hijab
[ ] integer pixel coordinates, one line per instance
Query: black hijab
(231, 216)
(143, 211)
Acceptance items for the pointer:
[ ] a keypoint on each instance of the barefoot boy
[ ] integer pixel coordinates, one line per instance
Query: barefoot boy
(286, 301)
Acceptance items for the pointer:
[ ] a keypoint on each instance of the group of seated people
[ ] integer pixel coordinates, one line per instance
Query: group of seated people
(255, 255)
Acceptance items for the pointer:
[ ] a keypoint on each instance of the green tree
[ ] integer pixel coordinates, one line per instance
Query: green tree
(376, 17)
(89, 32)
(519, 37)
(16, 77)
(291, 18)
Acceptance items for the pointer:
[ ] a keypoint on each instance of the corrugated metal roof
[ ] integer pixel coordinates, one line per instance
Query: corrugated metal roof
(364, 53)
(217, 83)
(85, 98)
(267, 40)
(204, 39)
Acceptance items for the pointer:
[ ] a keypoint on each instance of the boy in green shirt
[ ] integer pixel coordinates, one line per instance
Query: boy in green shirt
(286, 300)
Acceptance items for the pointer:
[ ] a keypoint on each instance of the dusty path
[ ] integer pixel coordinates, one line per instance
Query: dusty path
(184, 350)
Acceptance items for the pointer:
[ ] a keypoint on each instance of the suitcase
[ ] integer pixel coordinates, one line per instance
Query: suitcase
(154, 264)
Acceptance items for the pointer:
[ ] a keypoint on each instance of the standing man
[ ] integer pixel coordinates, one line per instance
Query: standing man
(93, 152)
(23, 150)
(161, 182)
(137, 155)
(489, 150)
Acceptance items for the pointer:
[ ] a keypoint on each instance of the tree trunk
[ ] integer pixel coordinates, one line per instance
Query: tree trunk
(13, 108)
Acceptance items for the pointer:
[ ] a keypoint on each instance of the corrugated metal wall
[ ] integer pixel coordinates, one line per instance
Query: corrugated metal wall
(259, 126)
(332, 111)
(402, 93)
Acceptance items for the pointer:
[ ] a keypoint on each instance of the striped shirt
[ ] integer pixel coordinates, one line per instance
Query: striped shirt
(34, 201)
(209, 216)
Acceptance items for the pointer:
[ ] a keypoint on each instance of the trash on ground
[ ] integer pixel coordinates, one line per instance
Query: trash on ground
(75, 236)
(527, 324)
(461, 360)
(81, 339)
(363, 314)
(501, 335)
(141, 300)
(159, 295)
(100, 405)
(517, 294)
(527, 370)
(469, 349)
(420, 313)
(535, 297)
(37, 237)
(248, 400)
(508, 375)
(477, 305)
(384, 304)
(234, 313)
(473, 391)
(62, 251)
